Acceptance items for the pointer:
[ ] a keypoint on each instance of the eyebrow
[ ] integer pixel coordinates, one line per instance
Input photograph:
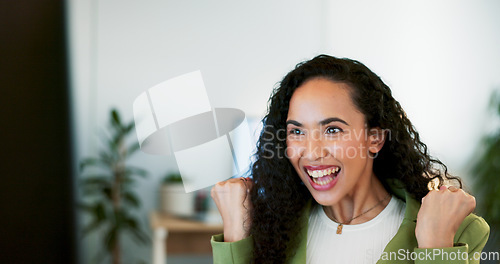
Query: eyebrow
(323, 122)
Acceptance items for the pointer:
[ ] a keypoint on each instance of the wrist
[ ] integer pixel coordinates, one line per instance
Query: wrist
(434, 237)
(232, 234)
(435, 245)
(435, 242)
(234, 230)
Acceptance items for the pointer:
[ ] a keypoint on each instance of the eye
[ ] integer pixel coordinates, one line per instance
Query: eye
(333, 130)
(294, 131)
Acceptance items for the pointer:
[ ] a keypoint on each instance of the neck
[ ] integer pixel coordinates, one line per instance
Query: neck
(364, 196)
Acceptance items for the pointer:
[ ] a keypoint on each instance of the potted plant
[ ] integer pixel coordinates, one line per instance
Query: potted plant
(486, 173)
(174, 199)
(107, 186)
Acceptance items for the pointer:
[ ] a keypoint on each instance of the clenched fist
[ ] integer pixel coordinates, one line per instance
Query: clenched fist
(440, 215)
(232, 198)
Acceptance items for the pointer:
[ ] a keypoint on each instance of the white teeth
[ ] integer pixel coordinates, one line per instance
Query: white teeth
(323, 182)
(321, 173)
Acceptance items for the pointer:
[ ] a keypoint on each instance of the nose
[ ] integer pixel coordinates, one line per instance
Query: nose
(314, 148)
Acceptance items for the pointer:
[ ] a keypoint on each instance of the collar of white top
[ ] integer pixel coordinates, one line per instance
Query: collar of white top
(346, 228)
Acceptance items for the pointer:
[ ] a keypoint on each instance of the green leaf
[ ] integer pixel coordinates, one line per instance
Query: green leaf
(131, 199)
(86, 207)
(121, 219)
(140, 236)
(92, 162)
(112, 146)
(128, 128)
(134, 228)
(133, 148)
(98, 214)
(118, 138)
(111, 238)
(131, 223)
(97, 210)
(107, 158)
(130, 170)
(95, 224)
(92, 191)
(127, 181)
(107, 192)
(172, 177)
(98, 179)
(100, 211)
(94, 184)
(115, 118)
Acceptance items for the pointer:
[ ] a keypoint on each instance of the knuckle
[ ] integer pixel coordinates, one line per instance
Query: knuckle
(215, 193)
(472, 201)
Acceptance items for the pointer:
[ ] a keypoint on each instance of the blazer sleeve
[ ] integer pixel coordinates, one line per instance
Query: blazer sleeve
(468, 243)
(239, 252)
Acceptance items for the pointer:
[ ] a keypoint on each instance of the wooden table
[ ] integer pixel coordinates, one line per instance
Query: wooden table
(174, 235)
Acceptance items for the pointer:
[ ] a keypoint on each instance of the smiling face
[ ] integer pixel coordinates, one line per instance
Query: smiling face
(328, 142)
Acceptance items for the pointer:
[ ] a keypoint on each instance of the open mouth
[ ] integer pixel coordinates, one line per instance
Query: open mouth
(323, 176)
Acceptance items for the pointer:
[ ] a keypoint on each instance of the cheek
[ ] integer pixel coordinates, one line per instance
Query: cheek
(347, 149)
(336, 148)
(293, 151)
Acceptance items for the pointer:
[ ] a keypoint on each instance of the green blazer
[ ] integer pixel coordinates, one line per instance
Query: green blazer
(469, 240)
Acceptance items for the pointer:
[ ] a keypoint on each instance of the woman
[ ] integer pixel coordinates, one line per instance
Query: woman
(341, 176)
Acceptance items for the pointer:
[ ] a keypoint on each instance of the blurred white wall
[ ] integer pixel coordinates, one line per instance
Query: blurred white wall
(440, 58)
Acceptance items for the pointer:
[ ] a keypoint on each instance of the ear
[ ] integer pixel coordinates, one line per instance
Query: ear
(376, 139)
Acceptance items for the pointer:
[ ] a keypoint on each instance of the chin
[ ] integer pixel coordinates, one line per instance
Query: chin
(325, 199)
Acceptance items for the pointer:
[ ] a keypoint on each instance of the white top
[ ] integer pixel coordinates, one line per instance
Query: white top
(358, 244)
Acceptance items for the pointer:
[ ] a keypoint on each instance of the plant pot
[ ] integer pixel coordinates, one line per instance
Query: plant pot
(174, 200)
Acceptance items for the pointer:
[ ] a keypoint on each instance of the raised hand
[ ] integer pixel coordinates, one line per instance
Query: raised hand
(232, 198)
(440, 215)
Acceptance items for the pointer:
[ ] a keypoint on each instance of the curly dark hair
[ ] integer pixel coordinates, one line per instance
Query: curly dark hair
(279, 196)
